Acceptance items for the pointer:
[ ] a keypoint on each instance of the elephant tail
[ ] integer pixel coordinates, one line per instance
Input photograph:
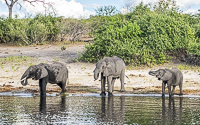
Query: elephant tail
(126, 76)
(67, 80)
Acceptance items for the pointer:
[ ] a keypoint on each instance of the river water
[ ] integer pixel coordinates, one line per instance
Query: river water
(91, 109)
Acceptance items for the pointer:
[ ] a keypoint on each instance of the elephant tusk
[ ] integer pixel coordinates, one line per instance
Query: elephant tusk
(23, 79)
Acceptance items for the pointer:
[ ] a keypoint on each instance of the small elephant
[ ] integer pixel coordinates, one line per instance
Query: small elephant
(171, 77)
(110, 68)
(55, 73)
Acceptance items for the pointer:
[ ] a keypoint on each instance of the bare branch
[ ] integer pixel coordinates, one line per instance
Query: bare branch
(7, 3)
(13, 2)
(36, 1)
(19, 5)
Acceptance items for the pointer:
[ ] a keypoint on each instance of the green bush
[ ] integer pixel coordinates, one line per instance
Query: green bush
(53, 25)
(28, 31)
(37, 32)
(18, 31)
(4, 30)
(194, 48)
(140, 37)
(146, 35)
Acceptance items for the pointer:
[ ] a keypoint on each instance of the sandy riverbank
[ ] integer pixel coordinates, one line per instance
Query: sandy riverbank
(80, 74)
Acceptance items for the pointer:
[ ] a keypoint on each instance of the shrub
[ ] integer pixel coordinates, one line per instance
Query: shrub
(141, 37)
(27, 31)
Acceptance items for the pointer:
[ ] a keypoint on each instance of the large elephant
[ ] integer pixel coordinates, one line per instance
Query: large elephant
(171, 77)
(55, 73)
(110, 68)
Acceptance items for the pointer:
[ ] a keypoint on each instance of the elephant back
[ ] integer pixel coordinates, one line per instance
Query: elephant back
(119, 64)
(58, 71)
(178, 75)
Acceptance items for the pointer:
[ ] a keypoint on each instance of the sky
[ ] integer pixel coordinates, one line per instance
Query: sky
(85, 8)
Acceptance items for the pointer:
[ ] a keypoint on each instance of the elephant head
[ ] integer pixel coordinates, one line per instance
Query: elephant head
(105, 66)
(161, 74)
(34, 72)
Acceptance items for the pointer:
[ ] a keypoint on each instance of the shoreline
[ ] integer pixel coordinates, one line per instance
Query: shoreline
(81, 74)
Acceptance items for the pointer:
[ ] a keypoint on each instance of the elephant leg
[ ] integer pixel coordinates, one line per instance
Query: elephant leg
(163, 89)
(180, 86)
(173, 89)
(109, 85)
(42, 85)
(169, 89)
(122, 80)
(62, 86)
(113, 82)
(103, 81)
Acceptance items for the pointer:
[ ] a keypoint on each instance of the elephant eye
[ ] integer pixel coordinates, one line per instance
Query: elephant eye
(38, 71)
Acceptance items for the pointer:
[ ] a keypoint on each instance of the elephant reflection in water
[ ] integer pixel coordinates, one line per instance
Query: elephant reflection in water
(43, 107)
(113, 113)
(47, 110)
(173, 113)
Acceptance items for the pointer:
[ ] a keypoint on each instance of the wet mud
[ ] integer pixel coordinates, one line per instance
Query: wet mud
(93, 89)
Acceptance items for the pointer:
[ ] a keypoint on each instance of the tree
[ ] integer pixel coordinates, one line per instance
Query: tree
(73, 29)
(10, 6)
(163, 5)
(106, 10)
(12, 3)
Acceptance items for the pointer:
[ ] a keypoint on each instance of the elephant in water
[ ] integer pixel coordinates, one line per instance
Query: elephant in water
(56, 73)
(110, 68)
(171, 77)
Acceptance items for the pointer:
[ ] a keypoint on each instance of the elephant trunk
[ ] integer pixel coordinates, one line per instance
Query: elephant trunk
(96, 74)
(22, 81)
(24, 78)
(153, 73)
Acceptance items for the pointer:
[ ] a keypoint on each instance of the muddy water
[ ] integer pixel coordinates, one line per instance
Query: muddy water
(93, 109)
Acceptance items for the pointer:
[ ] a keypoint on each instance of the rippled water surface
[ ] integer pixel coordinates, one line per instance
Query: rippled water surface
(93, 109)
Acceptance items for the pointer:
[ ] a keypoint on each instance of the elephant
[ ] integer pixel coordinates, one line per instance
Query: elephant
(110, 68)
(171, 77)
(55, 73)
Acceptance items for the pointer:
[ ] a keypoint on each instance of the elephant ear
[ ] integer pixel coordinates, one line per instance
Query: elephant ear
(41, 73)
(167, 75)
(109, 69)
